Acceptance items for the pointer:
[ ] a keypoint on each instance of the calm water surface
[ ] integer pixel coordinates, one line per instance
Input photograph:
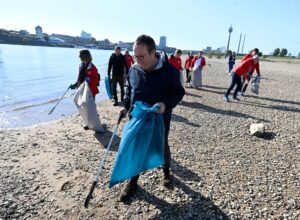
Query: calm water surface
(33, 78)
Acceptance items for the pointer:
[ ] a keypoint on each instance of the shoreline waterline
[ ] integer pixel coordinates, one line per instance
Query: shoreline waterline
(34, 78)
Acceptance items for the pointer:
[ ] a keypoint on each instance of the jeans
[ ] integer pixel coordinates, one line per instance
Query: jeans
(235, 80)
(230, 66)
(245, 85)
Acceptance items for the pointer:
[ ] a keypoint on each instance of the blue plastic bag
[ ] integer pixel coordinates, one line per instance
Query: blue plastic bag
(142, 145)
(108, 87)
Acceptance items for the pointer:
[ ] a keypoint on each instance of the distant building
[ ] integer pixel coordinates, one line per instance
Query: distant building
(126, 45)
(39, 32)
(85, 35)
(208, 49)
(55, 40)
(299, 54)
(162, 42)
(223, 49)
(24, 33)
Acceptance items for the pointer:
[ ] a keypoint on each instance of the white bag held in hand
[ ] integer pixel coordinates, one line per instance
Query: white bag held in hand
(86, 106)
(255, 85)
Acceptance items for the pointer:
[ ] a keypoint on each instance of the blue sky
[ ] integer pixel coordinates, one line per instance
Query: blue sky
(188, 24)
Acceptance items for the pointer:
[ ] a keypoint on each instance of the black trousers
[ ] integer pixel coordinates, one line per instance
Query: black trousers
(167, 153)
(235, 80)
(188, 77)
(245, 85)
(115, 80)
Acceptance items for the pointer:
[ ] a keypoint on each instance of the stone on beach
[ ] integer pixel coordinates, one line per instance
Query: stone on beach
(257, 129)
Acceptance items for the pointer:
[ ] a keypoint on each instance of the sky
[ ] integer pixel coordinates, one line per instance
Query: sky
(187, 24)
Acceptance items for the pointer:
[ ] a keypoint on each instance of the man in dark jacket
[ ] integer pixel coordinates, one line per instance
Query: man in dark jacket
(153, 80)
(119, 68)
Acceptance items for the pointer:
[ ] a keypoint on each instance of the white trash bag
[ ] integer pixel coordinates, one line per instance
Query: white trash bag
(255, 85)
(86, 106)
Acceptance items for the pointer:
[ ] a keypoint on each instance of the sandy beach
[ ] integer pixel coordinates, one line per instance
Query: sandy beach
(219, 170)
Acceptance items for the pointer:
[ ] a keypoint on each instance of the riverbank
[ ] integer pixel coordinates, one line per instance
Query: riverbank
(219, 170)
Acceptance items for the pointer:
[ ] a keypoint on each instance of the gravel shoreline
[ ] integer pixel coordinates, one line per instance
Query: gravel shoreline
(219, 170)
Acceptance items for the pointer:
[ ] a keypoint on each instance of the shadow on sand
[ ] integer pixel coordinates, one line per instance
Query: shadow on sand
(274, 107)
(182, 119)
(219, 111)
(105, 137)
(199, 207)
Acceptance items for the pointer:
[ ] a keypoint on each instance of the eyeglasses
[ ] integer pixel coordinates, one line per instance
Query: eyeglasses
(139, 57)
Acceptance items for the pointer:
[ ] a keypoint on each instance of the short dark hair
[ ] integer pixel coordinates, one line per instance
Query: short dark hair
(256, 50)
(85, 55)
(117, 47)
(147, 41)
(178, 51)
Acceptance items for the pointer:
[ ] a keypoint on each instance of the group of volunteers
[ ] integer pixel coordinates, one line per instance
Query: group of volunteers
(193, 67)
(154, 78)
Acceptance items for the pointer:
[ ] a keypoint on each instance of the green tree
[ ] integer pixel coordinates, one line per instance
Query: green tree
(276, 52)
(283, 52)
(228, 52)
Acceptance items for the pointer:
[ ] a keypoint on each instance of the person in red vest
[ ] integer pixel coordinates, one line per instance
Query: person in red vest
(128, 58)
(246, 78)
(198, 63)
(242, 69)
(87, 72)
(188, 66)
(175, 61)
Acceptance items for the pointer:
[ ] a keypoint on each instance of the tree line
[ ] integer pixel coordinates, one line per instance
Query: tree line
(283, 52)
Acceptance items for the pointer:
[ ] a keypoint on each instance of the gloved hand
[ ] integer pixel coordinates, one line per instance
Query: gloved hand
(73, 86)
(87, 79)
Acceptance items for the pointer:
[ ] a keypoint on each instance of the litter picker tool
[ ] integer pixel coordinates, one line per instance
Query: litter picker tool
(58, 101)
(99, 169)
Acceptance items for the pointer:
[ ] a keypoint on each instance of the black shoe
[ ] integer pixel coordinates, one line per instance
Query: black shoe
(236, 98)
(166, 181)
(167, 177)
(116, 103)
(128, 191)
(86, 127)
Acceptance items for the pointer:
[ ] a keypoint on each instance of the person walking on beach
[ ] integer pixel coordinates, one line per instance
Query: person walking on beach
(246, 78)
(130, 62)
(152, 80)
(87, 72)
(118, 65)
(175, 61)
(188, 66)
(242, 69)
(128, 58)
(198, 63)
(231, 61)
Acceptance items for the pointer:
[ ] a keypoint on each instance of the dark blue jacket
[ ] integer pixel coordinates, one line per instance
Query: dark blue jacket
(161, 84)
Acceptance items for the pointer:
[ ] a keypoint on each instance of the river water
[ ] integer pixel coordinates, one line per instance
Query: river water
(33, 78)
